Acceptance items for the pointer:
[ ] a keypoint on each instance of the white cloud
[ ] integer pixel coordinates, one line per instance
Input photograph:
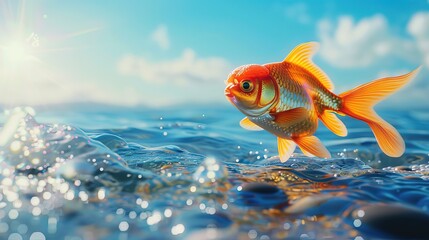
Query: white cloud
(186, 79)
(418, 27)
(298, 12)
(348, 43)
(42, 85)
(30, 81)
(362, 43)
(413, 95)
(188, 68)
(160, 37)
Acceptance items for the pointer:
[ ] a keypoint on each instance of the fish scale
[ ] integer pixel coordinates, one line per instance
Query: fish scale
(293, 95)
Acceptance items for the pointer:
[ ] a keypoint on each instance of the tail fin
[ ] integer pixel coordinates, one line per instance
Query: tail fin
(358, 103)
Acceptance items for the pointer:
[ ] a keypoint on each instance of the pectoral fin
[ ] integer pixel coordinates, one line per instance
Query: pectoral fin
(291, 116)
(334, 124)
(286, 148)
(249, 125)
(312, 145)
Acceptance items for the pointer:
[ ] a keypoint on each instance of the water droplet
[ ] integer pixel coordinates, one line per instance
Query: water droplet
(210, 171)
(13, 214)
(210, 210)
(36, 211)
(120, 211)
(178, 229)
(35, 201)
(83, 196)
(123, 226)
(168, 213)
(202, 206)
(357, 223)
(101, 193)
(37, 236)
(14, 236)
(252, 234)
(155, 218)
(132, 214)
(144, 204)
(286, 226)
(361, 213)
(69, 195)
(15, 146)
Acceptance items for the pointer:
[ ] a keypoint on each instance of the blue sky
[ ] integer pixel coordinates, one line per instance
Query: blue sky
(160, 53)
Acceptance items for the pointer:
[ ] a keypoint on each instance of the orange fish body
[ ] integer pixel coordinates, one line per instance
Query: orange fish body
(288, 98)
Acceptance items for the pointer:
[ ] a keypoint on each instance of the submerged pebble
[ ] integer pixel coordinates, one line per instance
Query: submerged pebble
(391, 221)
(307, 203)
(259, 195)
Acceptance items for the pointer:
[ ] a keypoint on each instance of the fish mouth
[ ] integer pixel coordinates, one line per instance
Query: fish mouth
(230, 97)
(227, 92)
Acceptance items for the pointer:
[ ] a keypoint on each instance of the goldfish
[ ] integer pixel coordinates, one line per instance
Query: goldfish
(288, 98)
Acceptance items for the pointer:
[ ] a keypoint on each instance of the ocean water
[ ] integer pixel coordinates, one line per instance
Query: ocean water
(193, 173)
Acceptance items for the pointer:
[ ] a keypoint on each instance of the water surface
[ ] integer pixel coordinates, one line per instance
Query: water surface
(193, 173)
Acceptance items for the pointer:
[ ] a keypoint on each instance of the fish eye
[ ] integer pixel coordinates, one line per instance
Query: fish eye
(246, 86)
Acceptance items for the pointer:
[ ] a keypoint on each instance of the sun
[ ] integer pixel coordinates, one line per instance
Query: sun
(17, 50)
(33, 49)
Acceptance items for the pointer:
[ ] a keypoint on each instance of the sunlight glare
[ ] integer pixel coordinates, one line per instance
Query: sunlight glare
(16, 50)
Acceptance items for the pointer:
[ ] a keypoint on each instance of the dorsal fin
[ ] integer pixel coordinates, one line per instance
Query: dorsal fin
(301, 55)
